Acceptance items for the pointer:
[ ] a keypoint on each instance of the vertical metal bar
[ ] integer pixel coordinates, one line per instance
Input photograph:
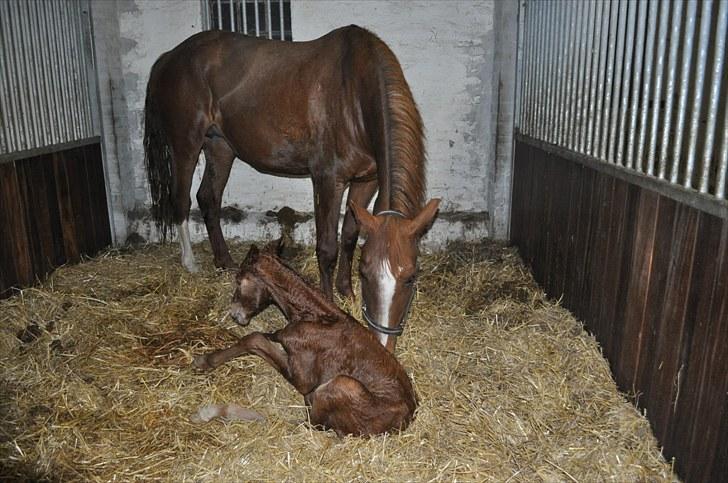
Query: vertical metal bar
(8, 99)
(627, 79)
(558, 70)
(7, 142)
(232, 15)
(245, 16)
(524, 67)
(19, 91)
(66, 115)
(717, 77)
(548, 51)
(572, 92)
(595, 124)
(618, 70)
(722, 174)
(546, 59)
(589, 79)
(219, 14)
(643, 75)
(54, 67)
(283, 26)
(568, 69)
(687, 61)
(206, 14)
(70, 71)
(538, 64)
(82, 73)
(664, 17)
(577, 93)
(270, 19)
(39, 65)
(609, 86)
(31, 76)
(636, 82)
(27, 82)
(78, 86)
(526, 107)
(702, 61)
(676, 26)
(257, 19)
(531, 107)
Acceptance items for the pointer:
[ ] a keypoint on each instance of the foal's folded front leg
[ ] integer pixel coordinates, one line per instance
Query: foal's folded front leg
(256, 343)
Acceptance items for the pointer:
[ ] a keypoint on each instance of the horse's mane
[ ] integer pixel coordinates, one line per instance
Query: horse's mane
(404, 134)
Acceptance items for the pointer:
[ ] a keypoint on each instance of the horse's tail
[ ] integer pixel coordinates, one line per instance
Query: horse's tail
(404, 138)
(158, 160)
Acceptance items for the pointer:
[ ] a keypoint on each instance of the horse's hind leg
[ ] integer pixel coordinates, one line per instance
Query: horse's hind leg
(218, 161)
(343, 404)
(360, 194)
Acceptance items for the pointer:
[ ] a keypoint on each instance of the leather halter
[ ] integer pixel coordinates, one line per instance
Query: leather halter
(399, 328)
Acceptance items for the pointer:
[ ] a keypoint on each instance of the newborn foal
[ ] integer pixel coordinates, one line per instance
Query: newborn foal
(350, 382)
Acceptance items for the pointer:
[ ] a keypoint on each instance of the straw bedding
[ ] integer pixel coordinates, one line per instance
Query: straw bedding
(95, 383)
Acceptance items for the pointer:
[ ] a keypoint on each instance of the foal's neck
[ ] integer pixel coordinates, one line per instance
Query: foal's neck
(296, 298)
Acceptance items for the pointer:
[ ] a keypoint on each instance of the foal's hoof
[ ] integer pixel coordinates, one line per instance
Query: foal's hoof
(201, 364)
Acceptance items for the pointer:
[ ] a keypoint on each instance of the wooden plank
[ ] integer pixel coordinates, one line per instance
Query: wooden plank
(65, 205)
(96, 189)
(583, 227)
(668, 373)
(655, 299)
(705, 440)
(31, 178)
(694, 356)
(612, 273)
(638, 286)
(576, 185)
(16, 266)
(518, 216)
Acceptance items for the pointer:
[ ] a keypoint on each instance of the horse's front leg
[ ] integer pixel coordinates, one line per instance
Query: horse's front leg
(359, 194)
(219, 159)
(327, 195)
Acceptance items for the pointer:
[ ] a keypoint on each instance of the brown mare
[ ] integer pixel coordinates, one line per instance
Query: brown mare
(350, 383)
(337, 109)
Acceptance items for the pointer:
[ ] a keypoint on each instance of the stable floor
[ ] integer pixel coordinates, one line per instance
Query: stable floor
(96, 384)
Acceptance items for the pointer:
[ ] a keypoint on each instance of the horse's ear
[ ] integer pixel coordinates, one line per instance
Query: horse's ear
(275, 247)
(366, 221)
(252, 255)
(423, 221)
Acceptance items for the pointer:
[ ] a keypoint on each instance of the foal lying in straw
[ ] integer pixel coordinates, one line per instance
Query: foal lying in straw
(349, 381)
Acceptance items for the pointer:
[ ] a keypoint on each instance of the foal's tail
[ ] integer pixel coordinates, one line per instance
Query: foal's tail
(158, 160)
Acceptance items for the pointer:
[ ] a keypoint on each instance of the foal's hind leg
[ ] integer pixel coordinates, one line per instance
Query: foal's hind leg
(344, 405)
(218, 161)
(360, 194)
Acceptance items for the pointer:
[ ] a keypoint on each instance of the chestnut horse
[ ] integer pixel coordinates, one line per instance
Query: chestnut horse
(350, 383)
(336, 109)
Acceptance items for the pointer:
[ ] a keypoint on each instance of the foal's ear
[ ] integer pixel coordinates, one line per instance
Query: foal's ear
(252, 256)
(275, 247)
(423, 221)
(366, 221)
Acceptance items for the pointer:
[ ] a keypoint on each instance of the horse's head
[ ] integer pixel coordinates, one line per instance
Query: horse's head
(250, 295)
(388, 267)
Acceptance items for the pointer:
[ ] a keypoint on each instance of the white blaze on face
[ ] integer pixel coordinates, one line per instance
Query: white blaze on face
(387, 284)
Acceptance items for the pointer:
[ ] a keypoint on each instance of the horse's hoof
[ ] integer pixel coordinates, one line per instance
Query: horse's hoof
(345, 292)
(200, 363)
(228, 264)
(191, 267)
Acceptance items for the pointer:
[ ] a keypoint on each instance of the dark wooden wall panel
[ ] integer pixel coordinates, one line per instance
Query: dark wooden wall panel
(52, 210)
(648, 276)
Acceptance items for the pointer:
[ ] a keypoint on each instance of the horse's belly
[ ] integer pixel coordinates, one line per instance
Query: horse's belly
(273, 152)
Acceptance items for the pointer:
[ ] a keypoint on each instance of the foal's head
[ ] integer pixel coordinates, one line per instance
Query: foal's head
(250, 295)
(388, 267)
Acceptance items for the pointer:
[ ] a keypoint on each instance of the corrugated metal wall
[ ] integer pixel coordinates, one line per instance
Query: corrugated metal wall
(47, 89)
(636, 84)
(619, 200)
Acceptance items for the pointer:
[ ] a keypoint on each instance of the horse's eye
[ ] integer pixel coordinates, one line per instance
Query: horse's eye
(410, 281)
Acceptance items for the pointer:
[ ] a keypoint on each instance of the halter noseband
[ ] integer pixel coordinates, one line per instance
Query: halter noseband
(399, 328)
